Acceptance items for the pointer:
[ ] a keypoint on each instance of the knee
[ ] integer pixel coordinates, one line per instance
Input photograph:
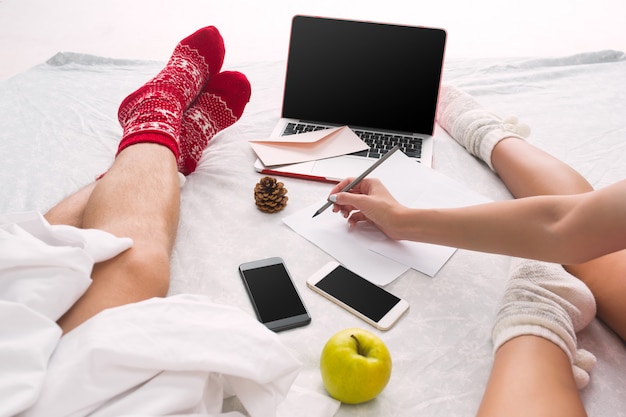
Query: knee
(146, 271)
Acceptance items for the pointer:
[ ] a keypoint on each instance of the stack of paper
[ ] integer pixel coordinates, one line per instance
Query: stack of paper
(369, 252)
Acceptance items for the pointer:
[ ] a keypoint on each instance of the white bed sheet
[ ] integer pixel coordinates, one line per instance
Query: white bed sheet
(58, 130)
(177, 355)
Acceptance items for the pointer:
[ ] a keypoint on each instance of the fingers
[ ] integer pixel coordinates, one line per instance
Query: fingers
(355, 218)
(347, 206)
(368, 201)
(342, 203)
(347, 202)
(364, 187)
(337, 188)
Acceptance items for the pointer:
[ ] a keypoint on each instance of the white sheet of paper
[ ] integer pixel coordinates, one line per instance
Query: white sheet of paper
(330, 232)
(416, 185)
(413, 185)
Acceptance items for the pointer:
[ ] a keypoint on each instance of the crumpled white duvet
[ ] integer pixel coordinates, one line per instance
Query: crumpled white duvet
(166, 356)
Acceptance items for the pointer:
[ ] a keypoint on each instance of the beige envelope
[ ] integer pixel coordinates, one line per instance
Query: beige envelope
(308, 146)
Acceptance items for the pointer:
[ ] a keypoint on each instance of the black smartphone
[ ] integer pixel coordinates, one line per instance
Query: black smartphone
(274, 296)
(366, 300)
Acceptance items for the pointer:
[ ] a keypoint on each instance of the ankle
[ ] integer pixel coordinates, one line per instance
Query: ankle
(154, 111)
(472, 126)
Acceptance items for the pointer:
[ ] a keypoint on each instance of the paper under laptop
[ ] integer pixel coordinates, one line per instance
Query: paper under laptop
(381, 80)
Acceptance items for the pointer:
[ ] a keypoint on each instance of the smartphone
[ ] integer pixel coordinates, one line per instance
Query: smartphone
(274, 296)
(359, 296)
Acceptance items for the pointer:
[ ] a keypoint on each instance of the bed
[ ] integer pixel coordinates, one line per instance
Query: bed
(58, 131)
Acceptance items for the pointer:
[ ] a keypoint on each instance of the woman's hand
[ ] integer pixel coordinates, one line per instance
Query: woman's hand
(368, 201)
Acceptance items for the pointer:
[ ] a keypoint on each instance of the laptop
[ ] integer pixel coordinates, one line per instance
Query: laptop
(382, 80)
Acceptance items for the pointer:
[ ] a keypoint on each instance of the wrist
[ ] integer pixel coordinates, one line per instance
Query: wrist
(404, 223)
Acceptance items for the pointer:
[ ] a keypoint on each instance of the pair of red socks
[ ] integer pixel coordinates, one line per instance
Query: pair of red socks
(188, 102)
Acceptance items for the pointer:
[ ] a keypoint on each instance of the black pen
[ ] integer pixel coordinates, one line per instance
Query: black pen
(359, 178)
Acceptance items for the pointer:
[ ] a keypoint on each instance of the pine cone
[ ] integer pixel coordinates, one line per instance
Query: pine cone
(269, 195)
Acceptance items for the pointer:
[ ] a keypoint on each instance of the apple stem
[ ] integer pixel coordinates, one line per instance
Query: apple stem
(358, 345)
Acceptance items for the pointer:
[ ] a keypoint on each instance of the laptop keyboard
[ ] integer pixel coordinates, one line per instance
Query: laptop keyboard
(378, 142)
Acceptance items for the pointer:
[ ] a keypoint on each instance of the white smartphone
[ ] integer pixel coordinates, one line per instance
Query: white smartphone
(275, 299)
(359, 296)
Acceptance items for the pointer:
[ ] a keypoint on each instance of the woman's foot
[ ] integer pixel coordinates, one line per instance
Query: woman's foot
(475, 128)
(542, 299)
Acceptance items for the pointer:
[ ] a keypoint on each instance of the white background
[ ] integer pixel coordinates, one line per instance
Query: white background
(31, 31)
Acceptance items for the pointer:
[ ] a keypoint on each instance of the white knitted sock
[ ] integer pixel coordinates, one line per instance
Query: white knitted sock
(543, 299)
(477, 129)
(583, 364)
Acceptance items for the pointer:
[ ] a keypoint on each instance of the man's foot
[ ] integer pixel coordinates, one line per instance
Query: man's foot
(153, 113)
(220, 104)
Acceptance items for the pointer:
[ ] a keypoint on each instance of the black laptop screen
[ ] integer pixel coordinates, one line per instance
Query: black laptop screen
(363, 74)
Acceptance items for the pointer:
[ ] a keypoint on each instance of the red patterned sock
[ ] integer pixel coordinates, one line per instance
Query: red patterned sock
(153, 113)
(220, 104)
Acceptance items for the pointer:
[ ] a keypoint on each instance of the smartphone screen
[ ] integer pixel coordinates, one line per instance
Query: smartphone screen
(276, 301)
(372, 303)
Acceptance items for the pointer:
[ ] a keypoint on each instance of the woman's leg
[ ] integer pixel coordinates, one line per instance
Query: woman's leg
(527, 171)
(531, 376)
(534, 339)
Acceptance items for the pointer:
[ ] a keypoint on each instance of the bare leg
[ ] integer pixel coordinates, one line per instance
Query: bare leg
(71, 209)
(137, 198)
(534, 337)
(531, 376)
(527, 171)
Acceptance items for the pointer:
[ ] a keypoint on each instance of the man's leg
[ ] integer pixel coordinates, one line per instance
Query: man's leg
(137, 198)
(139, 195)
(527, 171)
(70, 210)
(167, 124)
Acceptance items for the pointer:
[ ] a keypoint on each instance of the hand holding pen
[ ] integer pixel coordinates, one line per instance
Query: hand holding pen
(357, 180)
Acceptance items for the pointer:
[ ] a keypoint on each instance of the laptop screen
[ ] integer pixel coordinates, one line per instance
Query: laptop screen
(364, 74)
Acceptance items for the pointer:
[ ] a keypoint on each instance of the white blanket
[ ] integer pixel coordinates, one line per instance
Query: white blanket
(176, 355)
(58, 130)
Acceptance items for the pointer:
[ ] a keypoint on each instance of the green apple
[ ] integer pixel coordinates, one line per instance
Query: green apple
(355, 366)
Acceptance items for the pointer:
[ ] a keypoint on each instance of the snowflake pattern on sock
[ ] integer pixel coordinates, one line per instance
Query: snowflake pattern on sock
(157, 107)
(220, 104)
